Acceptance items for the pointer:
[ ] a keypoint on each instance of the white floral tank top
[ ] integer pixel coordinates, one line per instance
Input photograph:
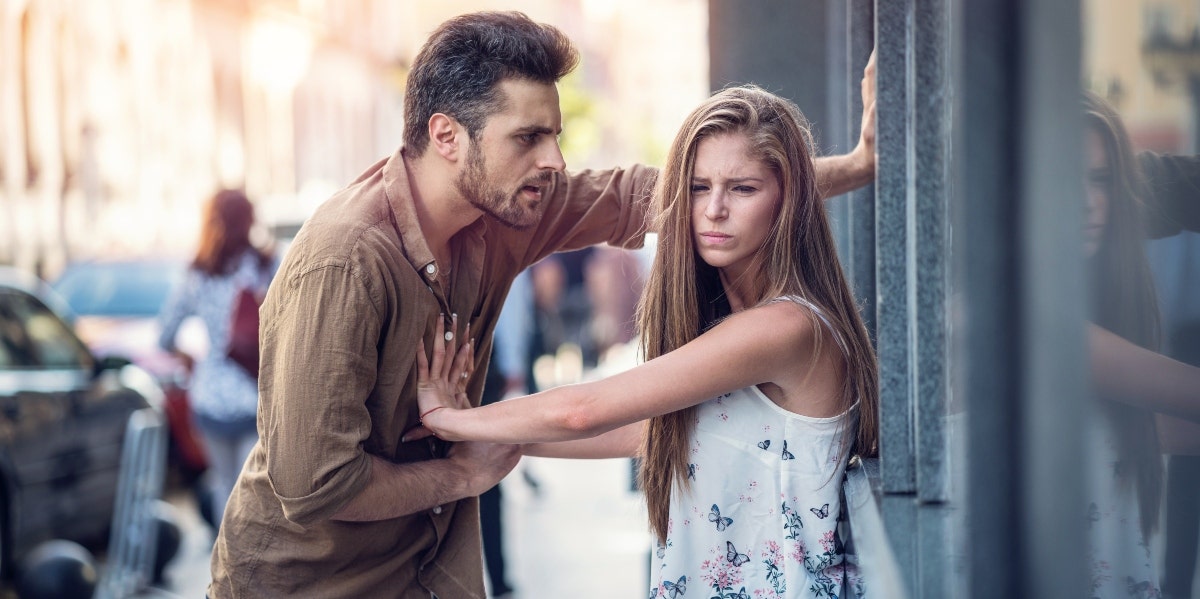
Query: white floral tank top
(761, 517)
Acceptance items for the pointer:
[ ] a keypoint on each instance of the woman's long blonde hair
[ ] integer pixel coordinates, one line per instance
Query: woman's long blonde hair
(1124, 301)
(684, 296)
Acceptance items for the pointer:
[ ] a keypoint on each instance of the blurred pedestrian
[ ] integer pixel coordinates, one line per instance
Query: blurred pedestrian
(614, 280)
(223, 394)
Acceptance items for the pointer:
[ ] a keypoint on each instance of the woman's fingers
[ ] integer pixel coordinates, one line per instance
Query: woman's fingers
(436, 368)
(422, 364)
(450, 363)
(464, 361)
(415, 434)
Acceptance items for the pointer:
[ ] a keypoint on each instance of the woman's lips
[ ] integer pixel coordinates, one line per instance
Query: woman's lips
(715, 238)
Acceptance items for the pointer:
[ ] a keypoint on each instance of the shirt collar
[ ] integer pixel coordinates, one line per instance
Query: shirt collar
(399, 197)
(412, 239)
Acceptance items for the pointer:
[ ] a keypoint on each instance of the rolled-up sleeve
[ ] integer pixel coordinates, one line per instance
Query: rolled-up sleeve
(320, 348)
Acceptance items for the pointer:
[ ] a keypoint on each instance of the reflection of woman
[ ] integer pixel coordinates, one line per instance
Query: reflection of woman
(760, 379)
(1126, 478)
(224, 397)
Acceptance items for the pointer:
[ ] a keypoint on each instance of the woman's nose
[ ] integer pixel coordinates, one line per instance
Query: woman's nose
(716, 208)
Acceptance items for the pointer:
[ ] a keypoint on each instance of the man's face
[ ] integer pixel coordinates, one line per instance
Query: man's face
(510, 163)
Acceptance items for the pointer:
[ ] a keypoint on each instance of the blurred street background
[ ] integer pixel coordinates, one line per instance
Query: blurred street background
(119, 118)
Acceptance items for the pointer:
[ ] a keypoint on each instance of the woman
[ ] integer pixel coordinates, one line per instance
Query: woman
(224, 396)
(1125, 484)
(760, 380)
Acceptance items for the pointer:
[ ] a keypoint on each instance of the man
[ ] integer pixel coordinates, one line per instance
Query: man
(330, 502)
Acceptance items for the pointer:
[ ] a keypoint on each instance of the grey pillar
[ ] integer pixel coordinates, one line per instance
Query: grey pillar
(1021, 341)
(891, 248)
(931, 244)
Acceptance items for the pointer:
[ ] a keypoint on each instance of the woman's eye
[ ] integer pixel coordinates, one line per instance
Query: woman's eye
(744, 189)
(699, 188)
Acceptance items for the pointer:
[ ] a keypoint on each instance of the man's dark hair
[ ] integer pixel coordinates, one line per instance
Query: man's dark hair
(457, 70)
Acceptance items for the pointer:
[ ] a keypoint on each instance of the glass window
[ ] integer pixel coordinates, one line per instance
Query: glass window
(119, 289)
(31, 336)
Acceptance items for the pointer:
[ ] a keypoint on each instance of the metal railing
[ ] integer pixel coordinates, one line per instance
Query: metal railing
(132, 546)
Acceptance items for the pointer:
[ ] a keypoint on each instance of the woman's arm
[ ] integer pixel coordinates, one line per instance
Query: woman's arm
(1125, 372)
(624, 442)
(839, 174)
(759, 345)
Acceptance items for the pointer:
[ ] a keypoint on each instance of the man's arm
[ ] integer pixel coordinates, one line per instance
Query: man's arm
(839, 174)
(1173, 201)
(401, 489)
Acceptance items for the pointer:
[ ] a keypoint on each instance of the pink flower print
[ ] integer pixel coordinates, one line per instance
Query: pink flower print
(799, 552)
(723, 416)
(709, 567)
(774, 553)
(721, 573)
(767, 428)
(827, 541)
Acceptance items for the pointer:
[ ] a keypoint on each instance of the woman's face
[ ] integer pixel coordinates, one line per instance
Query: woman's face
(1098, 186)
(735, 199)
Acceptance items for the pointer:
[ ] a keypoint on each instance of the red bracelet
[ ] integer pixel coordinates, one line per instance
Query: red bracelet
(431, 410)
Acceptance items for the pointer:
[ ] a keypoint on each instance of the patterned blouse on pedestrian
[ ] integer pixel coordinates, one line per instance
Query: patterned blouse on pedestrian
(220, 389)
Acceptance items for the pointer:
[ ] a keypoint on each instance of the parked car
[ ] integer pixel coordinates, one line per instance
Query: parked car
(63, 416)
(115, 305)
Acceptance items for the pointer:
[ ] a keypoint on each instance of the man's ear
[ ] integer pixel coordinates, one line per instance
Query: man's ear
(446, 136)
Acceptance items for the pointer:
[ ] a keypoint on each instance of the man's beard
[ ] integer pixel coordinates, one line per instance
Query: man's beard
(506, 208)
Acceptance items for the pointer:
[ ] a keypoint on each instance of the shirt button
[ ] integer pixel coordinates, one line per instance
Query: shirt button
(437, 509)
(431, 269)
(449, 335)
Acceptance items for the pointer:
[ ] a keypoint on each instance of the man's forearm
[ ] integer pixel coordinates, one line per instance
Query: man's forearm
(401, 489)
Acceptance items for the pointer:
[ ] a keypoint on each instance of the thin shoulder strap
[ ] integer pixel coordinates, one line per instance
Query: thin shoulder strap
(837, 336)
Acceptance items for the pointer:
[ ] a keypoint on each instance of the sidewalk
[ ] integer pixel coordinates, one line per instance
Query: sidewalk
(583, 536)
